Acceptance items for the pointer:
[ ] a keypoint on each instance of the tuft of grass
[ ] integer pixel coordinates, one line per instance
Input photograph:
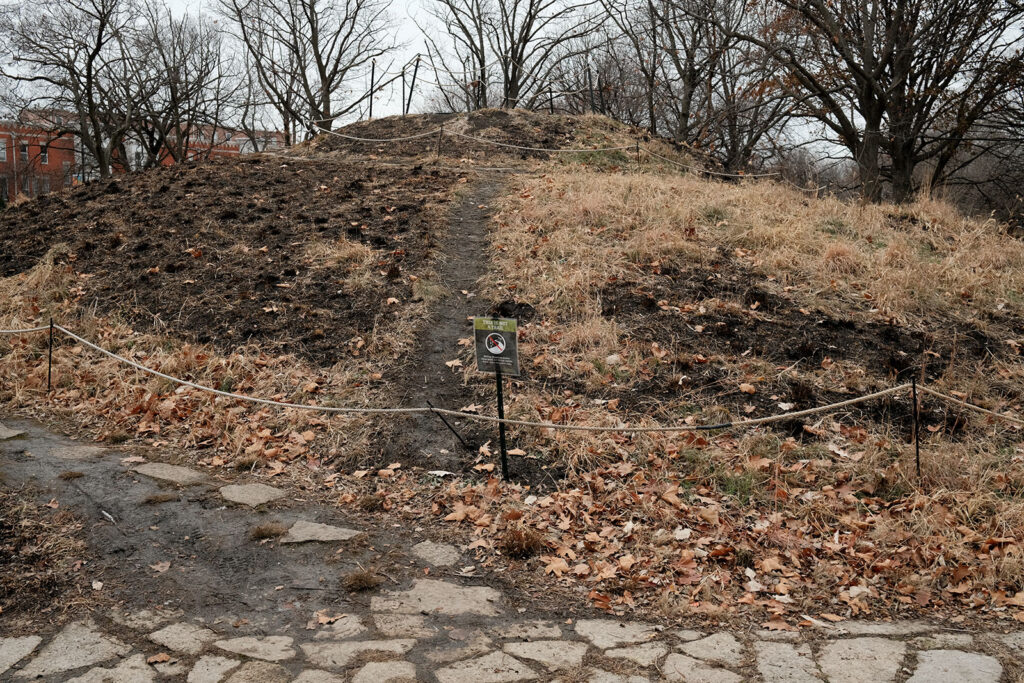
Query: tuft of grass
(361, 580)
(268, 530)
(68, 475)
(370, 503)
(158, 498)
(520, 542)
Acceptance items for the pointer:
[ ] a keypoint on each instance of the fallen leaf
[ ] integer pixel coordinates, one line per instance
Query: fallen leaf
(556, 566)
(777, 623)
(160, 567)
(158, 659)
(748, 388)
(454, 363)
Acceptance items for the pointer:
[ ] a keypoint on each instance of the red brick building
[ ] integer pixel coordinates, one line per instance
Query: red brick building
(34, 161)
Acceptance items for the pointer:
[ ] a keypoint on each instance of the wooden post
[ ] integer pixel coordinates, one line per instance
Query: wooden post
(440, 133)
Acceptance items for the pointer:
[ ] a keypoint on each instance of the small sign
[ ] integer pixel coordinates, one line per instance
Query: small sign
(496, 345)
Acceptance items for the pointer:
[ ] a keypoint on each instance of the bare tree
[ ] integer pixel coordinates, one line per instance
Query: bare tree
(309, 54)
(897, 83)
(181, 65)
(72, 57)
(517, 45)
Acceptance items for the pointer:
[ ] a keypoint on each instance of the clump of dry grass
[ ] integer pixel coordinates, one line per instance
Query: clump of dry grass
(160, 498)
(268, 530)
(361, 580)
(520, 542)
(68, 475)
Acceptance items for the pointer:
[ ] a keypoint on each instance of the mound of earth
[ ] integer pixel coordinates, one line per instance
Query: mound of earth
(301, 254)
(521, 128)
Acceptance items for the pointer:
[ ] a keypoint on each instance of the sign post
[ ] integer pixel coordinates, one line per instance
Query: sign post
(497, 351)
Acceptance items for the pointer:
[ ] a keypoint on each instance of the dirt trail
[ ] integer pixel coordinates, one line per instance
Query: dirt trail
(423, 439)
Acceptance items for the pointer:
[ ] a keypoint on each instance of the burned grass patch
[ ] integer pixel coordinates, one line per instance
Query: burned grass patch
(306, 257)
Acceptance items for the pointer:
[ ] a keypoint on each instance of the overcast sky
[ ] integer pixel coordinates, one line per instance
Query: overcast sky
(403, 14)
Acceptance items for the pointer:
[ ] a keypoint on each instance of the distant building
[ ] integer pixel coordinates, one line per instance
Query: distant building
(34, 161)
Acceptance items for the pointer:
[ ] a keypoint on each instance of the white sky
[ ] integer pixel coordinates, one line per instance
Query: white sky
(403, 13)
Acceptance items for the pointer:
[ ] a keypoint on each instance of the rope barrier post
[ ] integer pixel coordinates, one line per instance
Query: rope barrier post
(373, 78)
(916, 427)
(49, 362)
(440, 133)
(403, 92)
(412, 85)
(638, 155)
(501, 425)
(551, 100)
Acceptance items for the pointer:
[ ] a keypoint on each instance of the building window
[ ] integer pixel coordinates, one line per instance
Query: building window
(44, 154)
(23, 152)
(44, 185)
(3, 150)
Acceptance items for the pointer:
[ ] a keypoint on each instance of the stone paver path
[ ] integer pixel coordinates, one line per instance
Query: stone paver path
(440, 631)
(431, 621)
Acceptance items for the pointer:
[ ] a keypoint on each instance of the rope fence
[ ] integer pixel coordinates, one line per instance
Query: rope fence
(627, 429)
(549, 150)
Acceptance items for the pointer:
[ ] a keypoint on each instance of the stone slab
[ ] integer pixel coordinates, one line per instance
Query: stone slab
(132, 670)
(600, 676)
(182, 476)
(785, 663)
(956, 666)
(340, 655)
(403, 626)
(718, 647)
(431, 596)
(385, 672)
(944, 641)
(885, 628)
(269, 648)
(312, 532)
(528, 630)
(260, 672)
(437, 554)
(211, 669)
(861, 660)
(554, 654)
(6, 433)
(78, 645)
(184, 637)
(146, 619)
(317, 676)
(13, 650)
(605, 633)
(345, 626)
(646, 654)
(496, 667)
(252, 495)
(76, 452)
(682, 668)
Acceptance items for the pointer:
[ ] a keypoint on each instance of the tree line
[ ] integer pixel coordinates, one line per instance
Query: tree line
(890, 97)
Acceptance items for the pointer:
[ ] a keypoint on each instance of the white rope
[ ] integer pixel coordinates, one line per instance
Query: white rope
(358, 139)
(26, 331)
(740, 424)
(240, 397)
(540, 149)
(704, 170)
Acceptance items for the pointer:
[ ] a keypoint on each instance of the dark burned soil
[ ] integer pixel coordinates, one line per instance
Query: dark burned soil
(218, 251)
(520, 128)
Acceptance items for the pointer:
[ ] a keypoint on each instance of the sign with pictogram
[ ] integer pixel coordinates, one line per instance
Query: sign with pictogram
(496, 347)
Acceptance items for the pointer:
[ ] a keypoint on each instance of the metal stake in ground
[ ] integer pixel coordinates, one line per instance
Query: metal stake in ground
(501, 426)
(497, 351)
(49, 362)
(916, 427)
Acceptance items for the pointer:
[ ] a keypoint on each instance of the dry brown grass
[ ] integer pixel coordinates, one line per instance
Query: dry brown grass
(68, 475)
(268, 530)
(160, 498)
(520, 542)
(361, 580)
(567, 233)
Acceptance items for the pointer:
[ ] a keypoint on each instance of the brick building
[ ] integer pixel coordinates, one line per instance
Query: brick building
(34, 161)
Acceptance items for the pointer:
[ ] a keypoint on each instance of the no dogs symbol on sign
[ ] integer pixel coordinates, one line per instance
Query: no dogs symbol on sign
(496, 348)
